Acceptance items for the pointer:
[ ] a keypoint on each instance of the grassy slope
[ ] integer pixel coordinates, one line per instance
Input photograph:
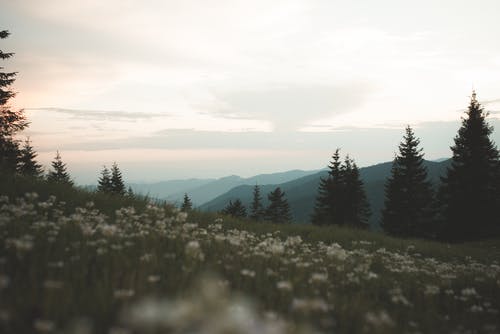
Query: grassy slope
(68, 275)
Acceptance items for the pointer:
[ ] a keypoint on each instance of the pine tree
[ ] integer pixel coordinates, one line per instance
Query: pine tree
(356, 209)
(235, 209)
(408, 209)
(328, 200)
(278, 210)
(257, 210)
(117, 185)
(59, 174)
(470, 194)
(104, 183)
(187, 205)
(11, 121)
(28, 166)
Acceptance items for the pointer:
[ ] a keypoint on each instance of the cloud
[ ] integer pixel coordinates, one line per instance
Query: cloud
(101, 115)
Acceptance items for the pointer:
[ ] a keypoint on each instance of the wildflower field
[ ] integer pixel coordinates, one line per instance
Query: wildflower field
(73, 269)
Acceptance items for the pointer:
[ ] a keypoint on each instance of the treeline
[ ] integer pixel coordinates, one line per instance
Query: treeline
(19, 158)
(464, 206)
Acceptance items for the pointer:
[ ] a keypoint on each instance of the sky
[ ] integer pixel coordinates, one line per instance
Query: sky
(198, 89)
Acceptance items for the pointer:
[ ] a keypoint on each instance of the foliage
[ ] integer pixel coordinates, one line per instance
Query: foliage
(187, 205)
(257, 209)
(470, 195)
(149, 277)
(11, 121)
(117, 184)
(59, 173)
(278, 210)
(104, 182)
(27, 165)
(235, 209)
(341, 198)
(408, 210)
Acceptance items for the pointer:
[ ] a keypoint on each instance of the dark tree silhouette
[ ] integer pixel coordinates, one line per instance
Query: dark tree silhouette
(257, 210)
(187, 205)
(356, 210)
(409, 199)
(117, 184)
(59, 174)
(235, 209)
(278, 210)
(11, 121)
(341, 198)
(28, 166)
(327, 206)
(104, 182)
(470, 193)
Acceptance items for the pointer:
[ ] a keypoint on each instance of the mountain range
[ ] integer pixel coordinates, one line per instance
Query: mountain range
(301, 192)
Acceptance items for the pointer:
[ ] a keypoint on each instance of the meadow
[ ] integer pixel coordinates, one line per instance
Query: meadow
(77, 262)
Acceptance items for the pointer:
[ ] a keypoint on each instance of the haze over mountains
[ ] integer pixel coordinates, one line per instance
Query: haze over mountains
(203, 190)
(301, 193)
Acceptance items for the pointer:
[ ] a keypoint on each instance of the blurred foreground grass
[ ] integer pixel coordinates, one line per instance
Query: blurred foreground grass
(74, 261)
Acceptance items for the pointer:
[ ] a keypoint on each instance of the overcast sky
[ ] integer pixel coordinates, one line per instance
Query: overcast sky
(181, 89)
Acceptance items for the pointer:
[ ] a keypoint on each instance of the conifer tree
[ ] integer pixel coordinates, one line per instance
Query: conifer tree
(104, 183)
(117, 185)
(187, 205)
(470, 194)
(59, 174)
(257, 210)
(130, 192)
(328, 200)
(11, 121)
(278, 210)
(28, 166)
(408, 209)
(235, 209)
(356, 209)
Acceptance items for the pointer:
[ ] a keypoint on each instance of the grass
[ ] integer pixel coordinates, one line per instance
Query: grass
(108, 268)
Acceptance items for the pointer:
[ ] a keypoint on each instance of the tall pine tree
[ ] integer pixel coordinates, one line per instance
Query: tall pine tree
(408, 209)
(28, 166)
(356, 210)
(327, 206)
(470, 194)
(278, 210)
(11, 121)
(59, 173)
(104, 182)
(257, 210)
(117, 184)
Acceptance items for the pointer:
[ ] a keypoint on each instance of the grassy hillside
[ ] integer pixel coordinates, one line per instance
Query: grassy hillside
(66, 267)
(301, 193)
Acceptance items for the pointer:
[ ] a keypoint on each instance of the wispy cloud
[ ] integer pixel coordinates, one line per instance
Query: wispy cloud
(101, 115)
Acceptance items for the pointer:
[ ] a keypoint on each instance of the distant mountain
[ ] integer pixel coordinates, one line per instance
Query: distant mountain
(215, 188)
(165, 189)
(301, 193)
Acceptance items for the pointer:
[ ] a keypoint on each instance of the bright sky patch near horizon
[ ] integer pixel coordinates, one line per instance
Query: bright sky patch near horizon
(181, 89)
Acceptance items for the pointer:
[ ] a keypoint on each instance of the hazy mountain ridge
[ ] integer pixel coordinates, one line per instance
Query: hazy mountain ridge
(301, 193)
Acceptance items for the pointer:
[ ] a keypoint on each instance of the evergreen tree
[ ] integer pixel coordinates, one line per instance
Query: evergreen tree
(470, 194)
(187, 205)
(235, 209)
(408, 209)
(341, 197)
(278, 210)
(59, 174)
(117, 185)
(104, 183)
(328, 200)
(11, 121)
(27, 164)
(356, 209)
(257, 210)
